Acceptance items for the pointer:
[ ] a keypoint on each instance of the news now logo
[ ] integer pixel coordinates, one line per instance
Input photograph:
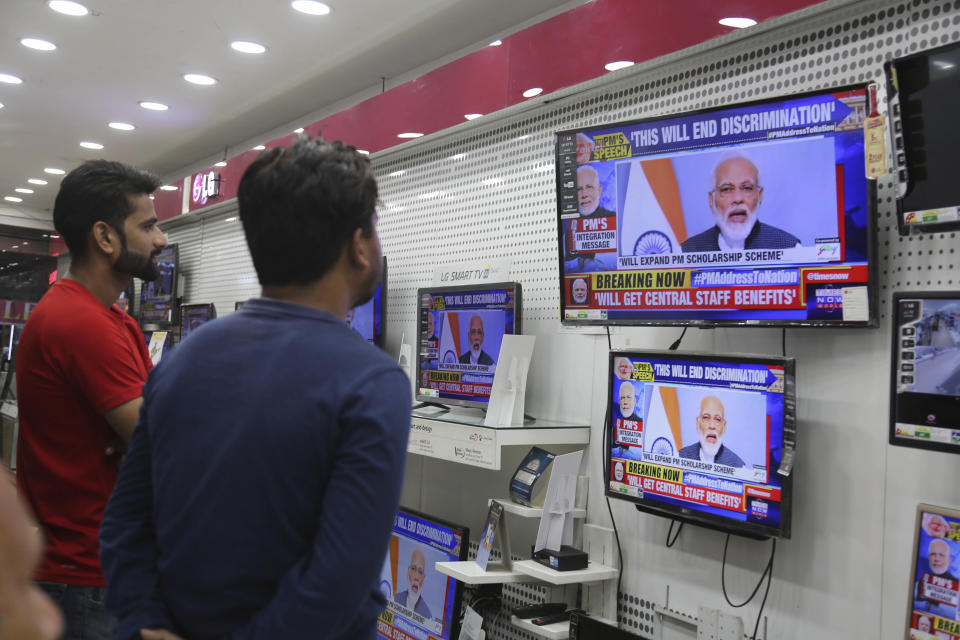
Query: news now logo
(758, 508)
(829, 298)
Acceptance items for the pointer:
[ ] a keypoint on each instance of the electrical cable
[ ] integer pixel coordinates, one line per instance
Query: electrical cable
(783, 342)
(604, 465)
(676, 344)
(767, 573)
(676, 535)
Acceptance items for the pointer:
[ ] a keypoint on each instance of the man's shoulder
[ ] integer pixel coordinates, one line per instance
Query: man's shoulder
(767, 236)
(727, 457)
(703, 241)
(485, 358)
(690, 451)
(464, 358)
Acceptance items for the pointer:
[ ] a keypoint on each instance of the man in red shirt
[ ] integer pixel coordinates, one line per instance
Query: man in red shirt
(81, 366)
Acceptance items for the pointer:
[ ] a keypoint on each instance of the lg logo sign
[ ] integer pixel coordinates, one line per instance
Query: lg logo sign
(205, 187)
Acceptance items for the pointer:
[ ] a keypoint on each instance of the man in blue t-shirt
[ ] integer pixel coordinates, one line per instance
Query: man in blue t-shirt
(264, 474)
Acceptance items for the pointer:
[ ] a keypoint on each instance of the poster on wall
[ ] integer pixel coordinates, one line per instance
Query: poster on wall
(934, 585)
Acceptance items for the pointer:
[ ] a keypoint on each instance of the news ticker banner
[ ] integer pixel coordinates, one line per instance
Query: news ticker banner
(691, 486)
(468, 300)
(789, 118)
(733, 375)
(396, 622)
(720, 289)
(940, 628)
(427, 533)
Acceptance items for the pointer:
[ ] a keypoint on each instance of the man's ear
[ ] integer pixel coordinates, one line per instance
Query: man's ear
(760, 196)
(106, 237)
(358, 249)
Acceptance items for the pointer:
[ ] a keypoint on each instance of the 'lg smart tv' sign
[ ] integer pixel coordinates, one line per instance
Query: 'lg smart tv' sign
(206, 186)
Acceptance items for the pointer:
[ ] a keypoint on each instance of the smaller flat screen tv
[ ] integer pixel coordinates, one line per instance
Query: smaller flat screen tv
(925, 371)
(368, 319)
(934, 581)
(460, 330)
(421, 602)
(194, 315)
(158, 297)
(923, 90)
(704, 438)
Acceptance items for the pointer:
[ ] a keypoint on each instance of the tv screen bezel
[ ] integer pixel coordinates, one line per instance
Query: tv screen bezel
(894, 371)
(517, 329)
(692, 516)
(464, 548)
(211, 314)
(873, 320)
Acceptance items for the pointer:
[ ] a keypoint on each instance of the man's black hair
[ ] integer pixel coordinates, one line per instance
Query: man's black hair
(98, 190)
(300, 205)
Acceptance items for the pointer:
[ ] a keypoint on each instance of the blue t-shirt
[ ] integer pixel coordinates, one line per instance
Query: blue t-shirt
(262, 481)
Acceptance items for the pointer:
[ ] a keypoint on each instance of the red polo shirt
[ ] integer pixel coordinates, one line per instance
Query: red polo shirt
(77, 360)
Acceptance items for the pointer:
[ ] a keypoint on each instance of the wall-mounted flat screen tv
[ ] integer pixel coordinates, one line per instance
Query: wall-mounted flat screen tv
(704, 438)
(460, 329)
(925, 370)
(751, 214)
(923, 91)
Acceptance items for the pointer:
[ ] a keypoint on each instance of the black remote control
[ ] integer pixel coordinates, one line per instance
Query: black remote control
(550, 619)
(538, 610)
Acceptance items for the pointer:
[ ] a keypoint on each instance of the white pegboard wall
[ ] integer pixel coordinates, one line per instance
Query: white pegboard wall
(458, 193)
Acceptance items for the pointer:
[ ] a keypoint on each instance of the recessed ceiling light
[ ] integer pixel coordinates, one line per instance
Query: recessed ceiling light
(36, 181)
(529, 93)
(153, 106)
(16, 246)
(56, 172)
(495, 43)
(259, 147)
(91, 145)
(38, 44)
(22, 190)
(222, 163)
(10, 79)
(311, 7)
(151, 197)
(409, 134)
(472, 116)
(168, 187)
(298, 130)
(1, 105)
(67, 7)
(738, 23)
(199, 78)
(12, 199)
(363, 151)
(245, 46)
(54, 236)
(121, 126)
(619, 64)
(25, 243)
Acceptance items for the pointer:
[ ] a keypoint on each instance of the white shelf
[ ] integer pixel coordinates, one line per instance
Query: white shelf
(522, 511)
(469, 572)
(555, 631)
(593, 573)
(459, 436)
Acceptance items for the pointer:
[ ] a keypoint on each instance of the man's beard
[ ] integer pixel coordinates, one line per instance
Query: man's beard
(370, 285)
(710, 448)
(137, 264)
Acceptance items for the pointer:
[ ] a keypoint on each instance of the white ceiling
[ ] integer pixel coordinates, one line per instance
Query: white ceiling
(125, 51)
